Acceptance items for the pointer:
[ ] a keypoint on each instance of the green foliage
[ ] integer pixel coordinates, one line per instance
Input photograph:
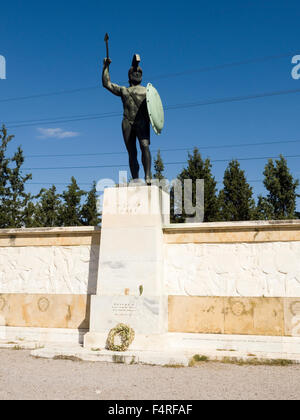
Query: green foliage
(18, 198)
(158, 177)
(48, 209)
(89, 212)
(264, 209)
(159, 167)
(29, 216)
(236, 201)
(4, 176)
(70, 210)
(197, 168)
(280, 202)
(14, 200)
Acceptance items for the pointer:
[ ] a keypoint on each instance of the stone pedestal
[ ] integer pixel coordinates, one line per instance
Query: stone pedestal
(130, 286)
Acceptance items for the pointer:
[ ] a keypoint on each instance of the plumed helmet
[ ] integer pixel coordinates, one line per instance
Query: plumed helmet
(135, 73)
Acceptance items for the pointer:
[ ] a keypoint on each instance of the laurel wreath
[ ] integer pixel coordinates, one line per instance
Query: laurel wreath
(126, 335)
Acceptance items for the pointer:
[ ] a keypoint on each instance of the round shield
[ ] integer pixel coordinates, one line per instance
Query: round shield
(155, 109)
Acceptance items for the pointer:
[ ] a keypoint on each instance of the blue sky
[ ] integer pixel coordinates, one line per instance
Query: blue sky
(58, 46)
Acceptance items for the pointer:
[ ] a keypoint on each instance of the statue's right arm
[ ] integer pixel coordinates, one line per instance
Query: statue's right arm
(112, 87)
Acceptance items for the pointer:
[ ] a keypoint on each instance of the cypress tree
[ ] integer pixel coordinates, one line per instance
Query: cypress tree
(264, 209)
(236, 200)
(70, 213)
(282, 189)
(89, 213)
(48, 209)
(197, 168)
(17, 199)
(158, 177)
(4, 177)
(159, 167)
(29, 217)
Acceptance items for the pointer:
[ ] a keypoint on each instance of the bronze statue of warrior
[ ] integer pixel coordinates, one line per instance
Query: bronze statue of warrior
(136, 122)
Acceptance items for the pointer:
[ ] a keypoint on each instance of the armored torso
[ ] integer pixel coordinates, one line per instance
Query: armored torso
(134, 104)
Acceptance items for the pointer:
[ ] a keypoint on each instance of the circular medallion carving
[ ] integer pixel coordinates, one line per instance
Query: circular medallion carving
(238, 308)
(43, 304)
(295, 308)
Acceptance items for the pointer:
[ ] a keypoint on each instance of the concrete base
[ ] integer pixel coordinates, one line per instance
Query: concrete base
(93, 340)
(130, 287)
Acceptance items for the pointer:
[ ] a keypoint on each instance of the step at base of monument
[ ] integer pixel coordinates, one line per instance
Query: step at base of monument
(165, 358)
(131, 357)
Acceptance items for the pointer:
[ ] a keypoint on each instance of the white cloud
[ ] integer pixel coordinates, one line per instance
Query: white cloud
(56, 133)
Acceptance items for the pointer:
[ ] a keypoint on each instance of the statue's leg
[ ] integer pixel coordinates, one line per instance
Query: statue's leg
(130, 142)
(144, 139)
(146, 159)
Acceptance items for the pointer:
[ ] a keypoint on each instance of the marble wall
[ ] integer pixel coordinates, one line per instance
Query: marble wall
(239, 278)
(268, 269)
(49, 269)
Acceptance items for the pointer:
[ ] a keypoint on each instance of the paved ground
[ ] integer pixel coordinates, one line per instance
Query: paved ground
(24, 377)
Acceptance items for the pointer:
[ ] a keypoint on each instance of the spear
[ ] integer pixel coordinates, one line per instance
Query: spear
(106, 38)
